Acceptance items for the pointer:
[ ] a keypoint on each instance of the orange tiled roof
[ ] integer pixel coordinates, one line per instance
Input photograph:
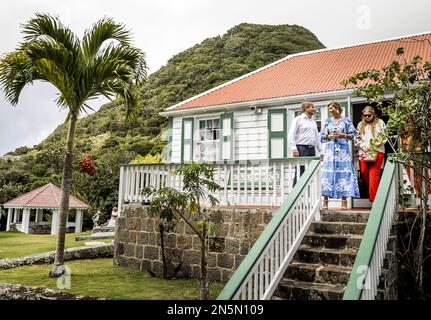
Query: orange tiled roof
(311, 72)
(47, 196)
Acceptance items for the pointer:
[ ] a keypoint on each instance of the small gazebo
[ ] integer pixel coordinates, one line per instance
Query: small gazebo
(34, 203)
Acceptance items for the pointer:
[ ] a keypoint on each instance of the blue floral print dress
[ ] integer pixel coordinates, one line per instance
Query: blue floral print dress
(338, 173)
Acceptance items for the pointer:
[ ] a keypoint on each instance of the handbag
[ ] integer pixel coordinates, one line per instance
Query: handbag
(369, 157)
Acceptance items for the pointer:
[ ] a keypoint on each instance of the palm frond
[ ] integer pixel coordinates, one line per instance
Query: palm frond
(47, 26)
(102, 31)
(80, 70)
(16, 71)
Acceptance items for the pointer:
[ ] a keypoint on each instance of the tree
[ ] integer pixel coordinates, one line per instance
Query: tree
(103, 62)
(170, 204)
(409, 112)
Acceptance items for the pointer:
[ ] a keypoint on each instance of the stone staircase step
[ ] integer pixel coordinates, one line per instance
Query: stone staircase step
(322, 265)
(345, 216)
(300, 290)
(340, 257)
(332, 241)
(318, 273)
(337, 227)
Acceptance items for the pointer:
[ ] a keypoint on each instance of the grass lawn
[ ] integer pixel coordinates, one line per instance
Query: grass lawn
(100, 278)
(18, 244)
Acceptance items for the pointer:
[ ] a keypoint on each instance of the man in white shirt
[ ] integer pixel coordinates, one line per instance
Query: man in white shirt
(303, 137)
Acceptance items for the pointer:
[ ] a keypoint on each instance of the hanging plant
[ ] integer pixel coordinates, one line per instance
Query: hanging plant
(87, 165)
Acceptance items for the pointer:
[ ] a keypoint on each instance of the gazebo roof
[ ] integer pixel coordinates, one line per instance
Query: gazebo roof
(46, 197)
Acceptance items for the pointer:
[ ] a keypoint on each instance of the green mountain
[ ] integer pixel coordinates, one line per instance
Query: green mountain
(110, 141)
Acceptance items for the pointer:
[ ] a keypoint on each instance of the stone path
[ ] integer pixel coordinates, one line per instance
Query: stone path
(97, 236)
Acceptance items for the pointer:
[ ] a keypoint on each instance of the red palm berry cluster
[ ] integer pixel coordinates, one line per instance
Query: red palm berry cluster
(87, 165)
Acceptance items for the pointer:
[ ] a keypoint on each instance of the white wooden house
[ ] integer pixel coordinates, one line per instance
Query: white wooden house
(241, 126)
(233, 121)
(246, 120)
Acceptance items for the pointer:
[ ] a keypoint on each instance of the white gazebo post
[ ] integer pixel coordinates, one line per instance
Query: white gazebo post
(78, 221)
(9, 218)
(39, 215)
(54, 221)
(25, 220)
(15, 215)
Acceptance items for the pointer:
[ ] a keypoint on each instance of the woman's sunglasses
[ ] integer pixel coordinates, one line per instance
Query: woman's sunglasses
(368, 115)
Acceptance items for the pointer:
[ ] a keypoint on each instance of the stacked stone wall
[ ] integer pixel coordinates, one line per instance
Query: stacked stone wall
(138, 242)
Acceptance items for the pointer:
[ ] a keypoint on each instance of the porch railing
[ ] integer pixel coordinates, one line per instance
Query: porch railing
(259, 182)
(414, 184)
(367, 268)
(258, 275)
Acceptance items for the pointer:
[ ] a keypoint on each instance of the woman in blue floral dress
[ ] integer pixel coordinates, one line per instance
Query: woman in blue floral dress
(339, 178)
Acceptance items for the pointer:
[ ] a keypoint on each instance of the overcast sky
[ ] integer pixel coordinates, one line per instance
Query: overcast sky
(163, 28)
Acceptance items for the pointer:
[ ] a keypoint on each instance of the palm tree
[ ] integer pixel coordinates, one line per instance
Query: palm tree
(103, 62)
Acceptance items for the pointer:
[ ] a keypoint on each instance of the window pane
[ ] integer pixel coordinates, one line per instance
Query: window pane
(216, 123)
(277, 148)
(277, 123)
(226, 127)
(209, 124)
(201, 135)
(187, 130)
(202, 124)
(226, 150)
(216, 134)
(187, 150)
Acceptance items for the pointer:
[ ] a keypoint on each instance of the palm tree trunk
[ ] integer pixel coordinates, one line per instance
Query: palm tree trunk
(204, 271)
(162, 245)
(66, 184)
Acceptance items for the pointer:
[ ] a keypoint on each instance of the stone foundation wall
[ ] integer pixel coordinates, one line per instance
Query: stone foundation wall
(137, 242)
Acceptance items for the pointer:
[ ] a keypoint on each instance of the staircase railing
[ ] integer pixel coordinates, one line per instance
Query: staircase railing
(367, 268)
(258, 275)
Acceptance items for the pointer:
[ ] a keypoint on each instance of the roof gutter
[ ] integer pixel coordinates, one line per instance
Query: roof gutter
(314, 97)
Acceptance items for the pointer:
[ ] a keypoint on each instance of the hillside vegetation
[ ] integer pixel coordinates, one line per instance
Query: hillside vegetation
(110, 141)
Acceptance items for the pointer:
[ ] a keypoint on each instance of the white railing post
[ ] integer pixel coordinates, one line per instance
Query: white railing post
(121, 190)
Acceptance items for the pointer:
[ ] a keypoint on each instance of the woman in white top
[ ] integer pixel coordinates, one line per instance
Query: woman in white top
(371, 145)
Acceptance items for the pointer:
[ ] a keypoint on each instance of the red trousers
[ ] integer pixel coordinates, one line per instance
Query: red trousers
(370, 173)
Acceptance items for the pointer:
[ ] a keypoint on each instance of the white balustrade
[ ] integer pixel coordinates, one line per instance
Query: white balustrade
(260, 182)
(262, 269)
(374, 270)
(365, 276)
(414, 184)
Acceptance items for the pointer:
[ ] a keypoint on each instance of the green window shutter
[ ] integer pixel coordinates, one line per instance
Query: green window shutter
(226, 136)
(277, 133)
(170, 125)
(345, 106)
(187, 140)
